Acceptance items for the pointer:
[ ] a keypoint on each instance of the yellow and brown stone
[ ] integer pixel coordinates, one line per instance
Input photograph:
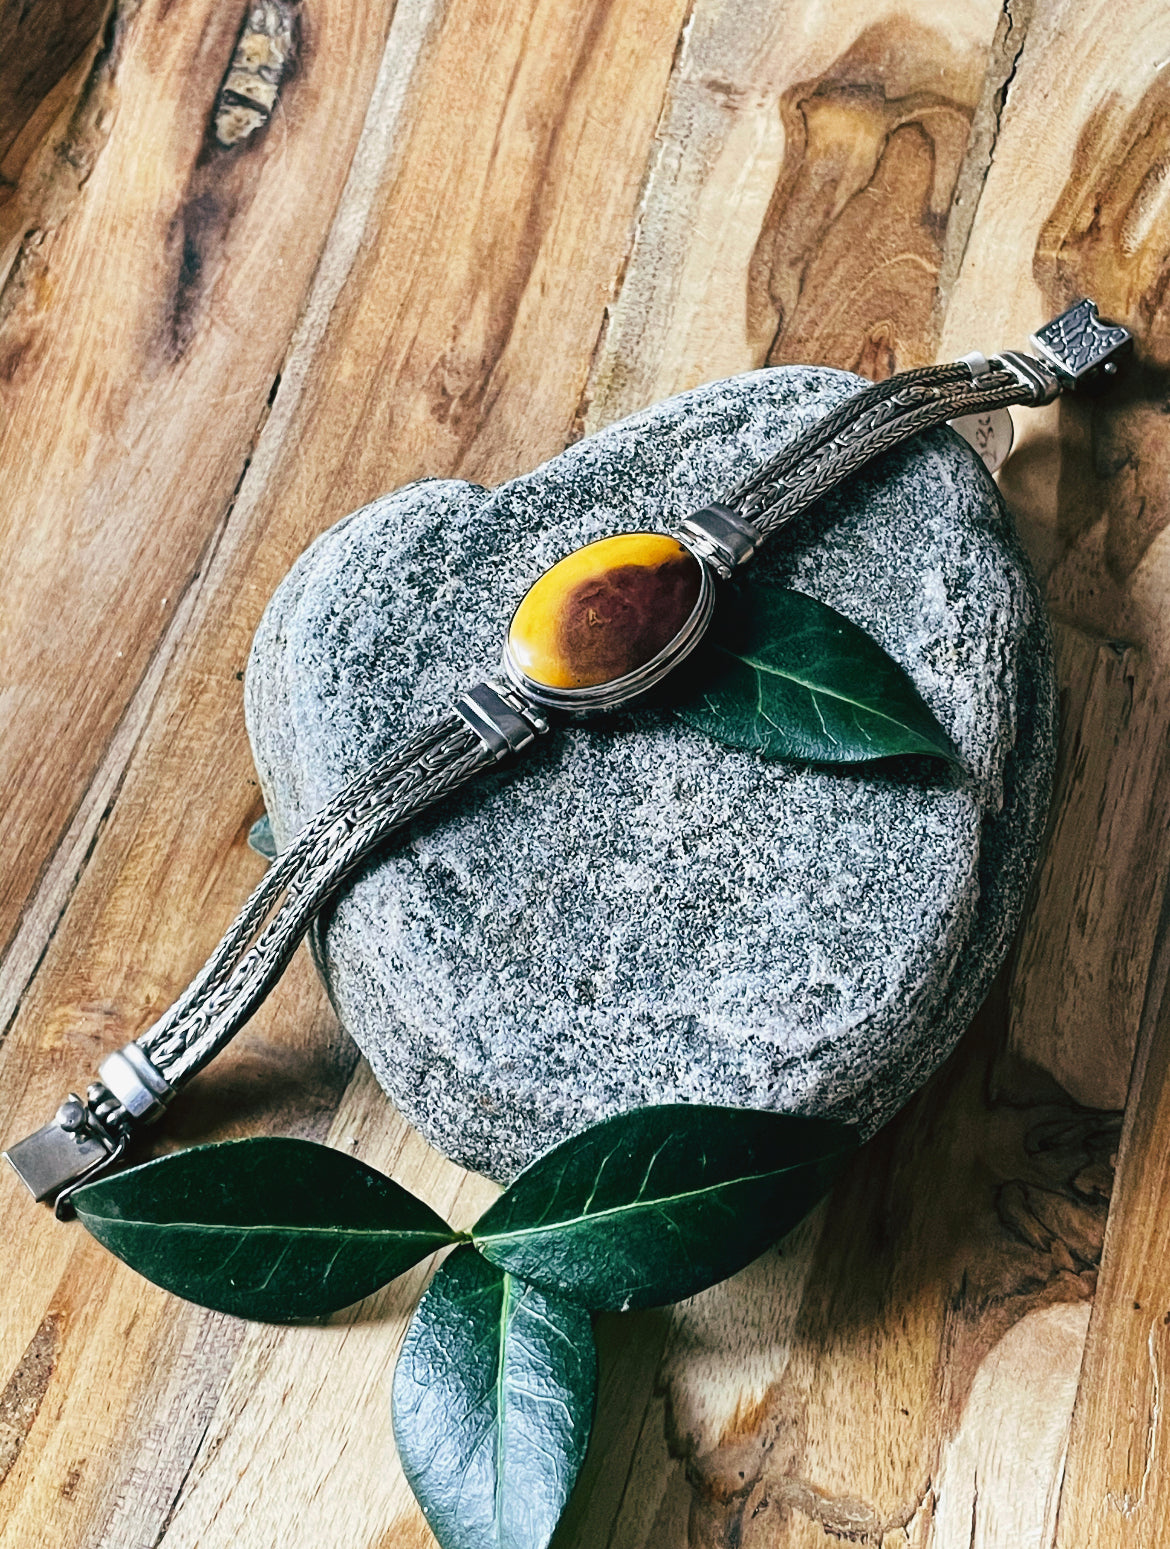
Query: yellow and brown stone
(605, 610)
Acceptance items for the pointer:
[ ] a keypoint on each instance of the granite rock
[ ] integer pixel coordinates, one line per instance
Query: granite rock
(632, 913)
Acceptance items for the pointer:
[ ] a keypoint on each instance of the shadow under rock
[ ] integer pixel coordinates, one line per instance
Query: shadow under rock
(984, 1200)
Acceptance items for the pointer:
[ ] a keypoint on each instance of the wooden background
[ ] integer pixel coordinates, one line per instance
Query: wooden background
(457, 234)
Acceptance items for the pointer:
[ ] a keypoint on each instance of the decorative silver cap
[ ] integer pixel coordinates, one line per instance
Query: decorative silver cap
(720, 537)
(136, 1082)
(499, 718)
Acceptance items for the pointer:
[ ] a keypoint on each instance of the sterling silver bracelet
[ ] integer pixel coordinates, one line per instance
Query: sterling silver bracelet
(598, 630)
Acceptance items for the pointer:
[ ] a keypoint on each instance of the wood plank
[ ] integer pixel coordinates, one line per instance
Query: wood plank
(883, 1417)
(798, 204)
(172, 73)
(1081, 196)
(1099, 186)
(158, 423)
(487, 201)
(1085, 948)
(1116, 1487)
(150, 296)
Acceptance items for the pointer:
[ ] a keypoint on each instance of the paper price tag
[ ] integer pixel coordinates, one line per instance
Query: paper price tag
(990, 433)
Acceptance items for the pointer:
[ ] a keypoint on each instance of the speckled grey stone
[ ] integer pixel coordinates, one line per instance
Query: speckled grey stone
(632, 913)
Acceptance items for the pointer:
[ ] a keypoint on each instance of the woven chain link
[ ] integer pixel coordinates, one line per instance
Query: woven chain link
(325, 853)
(285, 867)
(873, 421)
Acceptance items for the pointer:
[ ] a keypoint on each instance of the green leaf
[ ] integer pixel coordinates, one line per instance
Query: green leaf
(261, 838)
(269, 1229)
(788, 677)
(493, 1403)
(654, 1205)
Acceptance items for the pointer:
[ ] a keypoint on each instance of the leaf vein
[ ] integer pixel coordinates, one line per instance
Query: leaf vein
(660, 1205)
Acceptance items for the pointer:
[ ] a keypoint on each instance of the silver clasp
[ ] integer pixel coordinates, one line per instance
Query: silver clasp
(1079, 347)
(1073, 351)
(87, 1135)
(64, 1152)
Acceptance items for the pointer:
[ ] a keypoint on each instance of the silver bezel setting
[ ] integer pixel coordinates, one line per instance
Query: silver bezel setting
(620, 691)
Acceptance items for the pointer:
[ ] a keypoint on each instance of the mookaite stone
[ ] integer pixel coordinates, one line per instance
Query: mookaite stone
(604, 611)
(631, 913)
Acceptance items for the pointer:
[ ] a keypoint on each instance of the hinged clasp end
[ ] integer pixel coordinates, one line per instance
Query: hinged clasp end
(721, 537)
(88, 1134)
(1079, 347)
(63, 1152)
(502, 721)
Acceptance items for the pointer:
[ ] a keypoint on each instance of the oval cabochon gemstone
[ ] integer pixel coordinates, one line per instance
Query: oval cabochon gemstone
(605, 610)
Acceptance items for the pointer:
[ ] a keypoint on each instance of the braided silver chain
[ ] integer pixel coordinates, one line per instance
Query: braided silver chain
(873, 421)
(326, 852)
(335, 841)
(490, 721)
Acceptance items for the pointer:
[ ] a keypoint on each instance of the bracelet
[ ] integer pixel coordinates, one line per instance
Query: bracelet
(595, 632)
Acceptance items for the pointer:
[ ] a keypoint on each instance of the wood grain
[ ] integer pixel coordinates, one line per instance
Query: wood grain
(145, 314)
(1116, 1494)
(43, 47)
(443, 389)
(1084, 193)
(800, 199)
(463, 231)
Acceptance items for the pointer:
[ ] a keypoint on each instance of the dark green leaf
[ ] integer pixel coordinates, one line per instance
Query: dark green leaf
(269, 1229)
(789, 677)
(657, 1204)
(493, 1401)
(260, 838)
